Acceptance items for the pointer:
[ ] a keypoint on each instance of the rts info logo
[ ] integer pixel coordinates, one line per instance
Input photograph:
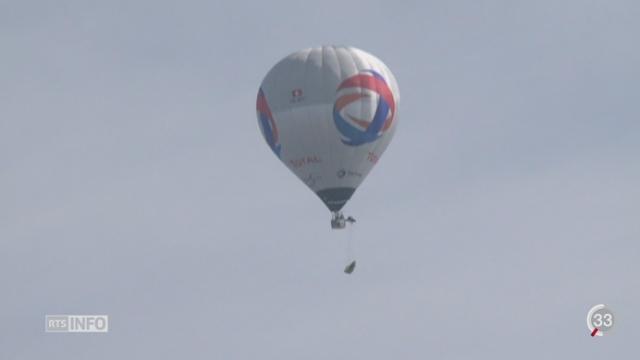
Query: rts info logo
(77, 323)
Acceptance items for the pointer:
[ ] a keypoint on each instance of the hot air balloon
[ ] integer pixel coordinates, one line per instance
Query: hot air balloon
(328, 113)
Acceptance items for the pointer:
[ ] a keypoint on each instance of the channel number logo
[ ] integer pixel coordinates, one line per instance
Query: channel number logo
(601, 318)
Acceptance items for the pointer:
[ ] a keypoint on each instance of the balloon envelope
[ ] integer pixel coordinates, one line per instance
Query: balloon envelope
(328, 113)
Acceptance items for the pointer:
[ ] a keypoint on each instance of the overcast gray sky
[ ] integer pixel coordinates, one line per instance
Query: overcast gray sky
(134, 182)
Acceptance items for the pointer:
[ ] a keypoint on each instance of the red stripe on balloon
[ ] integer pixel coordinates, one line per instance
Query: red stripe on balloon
(371, 83)
(263, 107)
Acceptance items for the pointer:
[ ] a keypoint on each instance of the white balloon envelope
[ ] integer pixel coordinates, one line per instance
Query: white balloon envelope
(328, 113)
